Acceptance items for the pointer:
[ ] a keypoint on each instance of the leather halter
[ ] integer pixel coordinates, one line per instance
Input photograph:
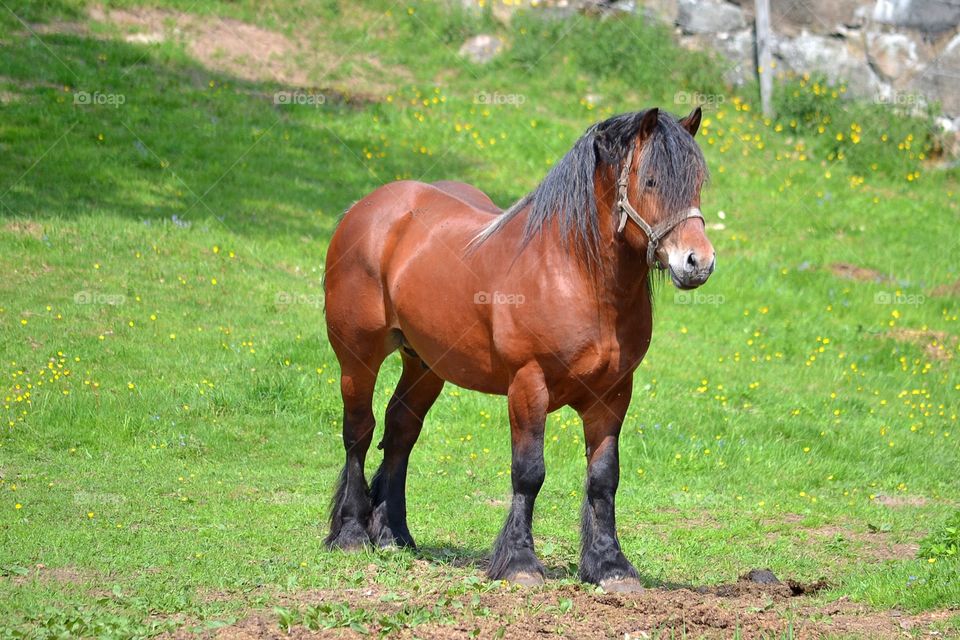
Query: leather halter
(654, 234)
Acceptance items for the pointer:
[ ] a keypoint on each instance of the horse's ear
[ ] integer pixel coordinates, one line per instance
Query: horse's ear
(604, 147)
(692, 122)
(648, 123)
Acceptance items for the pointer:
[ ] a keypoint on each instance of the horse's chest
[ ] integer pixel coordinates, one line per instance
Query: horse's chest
(607, 363)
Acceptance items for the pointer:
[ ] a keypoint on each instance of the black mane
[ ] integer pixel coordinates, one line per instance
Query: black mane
(567, 193)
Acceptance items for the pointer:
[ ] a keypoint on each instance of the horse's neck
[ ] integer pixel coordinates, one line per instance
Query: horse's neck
(620, 282)
(625, 277)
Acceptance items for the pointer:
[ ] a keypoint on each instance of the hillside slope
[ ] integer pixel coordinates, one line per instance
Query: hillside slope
(171, 418)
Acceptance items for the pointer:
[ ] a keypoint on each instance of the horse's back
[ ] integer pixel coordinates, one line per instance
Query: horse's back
(383, 209)
(468, 194)
(381, 231)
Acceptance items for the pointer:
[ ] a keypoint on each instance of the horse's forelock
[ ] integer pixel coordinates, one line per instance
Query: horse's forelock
(675, 161)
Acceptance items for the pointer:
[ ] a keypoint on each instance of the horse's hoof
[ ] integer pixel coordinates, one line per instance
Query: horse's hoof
(621, 585)
(385, 539)
(395, 545)
(351, 537)
(349, 544)
(526, 579)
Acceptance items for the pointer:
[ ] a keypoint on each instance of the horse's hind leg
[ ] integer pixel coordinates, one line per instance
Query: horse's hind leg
(416, 392)
(350, 512)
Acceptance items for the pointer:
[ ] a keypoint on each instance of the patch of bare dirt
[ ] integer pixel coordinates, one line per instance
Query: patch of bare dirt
(690, 522)
(231, 46)
(254, 53)
(9, 96)
(746, 608)
(60, 27)
(29, 84)
(791, 518)
(849, 271)
(952, 289)
(938, 345)
(872, 546)
(900, 501)
(24, 228)
(876, 546)
(786, 518)
(895, 551)
(62, 575)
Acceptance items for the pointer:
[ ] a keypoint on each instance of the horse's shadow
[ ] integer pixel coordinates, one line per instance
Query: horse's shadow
(455, 556)
(479, 560)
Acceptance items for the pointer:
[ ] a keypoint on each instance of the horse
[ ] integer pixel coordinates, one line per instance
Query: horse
(548, 303)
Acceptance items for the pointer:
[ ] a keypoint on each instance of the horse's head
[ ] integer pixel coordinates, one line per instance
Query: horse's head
(657, 210)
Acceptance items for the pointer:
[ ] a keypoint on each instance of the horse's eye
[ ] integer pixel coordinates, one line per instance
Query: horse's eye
(651, 183)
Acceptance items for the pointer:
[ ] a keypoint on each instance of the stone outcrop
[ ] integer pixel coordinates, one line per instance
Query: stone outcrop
(902, 52)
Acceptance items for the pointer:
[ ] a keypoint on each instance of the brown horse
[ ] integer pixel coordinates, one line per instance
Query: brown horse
(548, 303)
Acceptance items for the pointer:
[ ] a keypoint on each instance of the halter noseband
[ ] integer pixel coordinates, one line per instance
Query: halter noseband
(654, 234)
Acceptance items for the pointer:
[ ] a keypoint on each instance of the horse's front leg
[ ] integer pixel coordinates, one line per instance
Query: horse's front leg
(601, 559)
(513, 556)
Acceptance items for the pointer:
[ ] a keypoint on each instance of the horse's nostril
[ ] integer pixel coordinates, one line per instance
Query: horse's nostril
(692, 260)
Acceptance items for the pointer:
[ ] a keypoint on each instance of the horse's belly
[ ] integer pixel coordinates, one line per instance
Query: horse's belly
(463, 357)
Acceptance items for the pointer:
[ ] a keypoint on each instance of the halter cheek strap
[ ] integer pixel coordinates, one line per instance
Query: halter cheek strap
(654, 234)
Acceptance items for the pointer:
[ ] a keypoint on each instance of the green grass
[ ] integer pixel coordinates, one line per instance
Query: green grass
(171, 414)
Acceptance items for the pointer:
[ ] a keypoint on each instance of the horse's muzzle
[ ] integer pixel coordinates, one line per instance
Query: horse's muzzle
(691, 270)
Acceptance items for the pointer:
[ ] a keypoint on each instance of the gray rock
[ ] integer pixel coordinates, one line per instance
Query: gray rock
(760, 576)
(821, 16)
(835, 58)
(948, 135)
(552, 9)
(482, 48)
(947, 125)
(739, 49)
(737, 53)
(929, 16)
(606, 7)
(790, 17)
(709, 16)
(892, 55)
(940, 80)
(659, 10)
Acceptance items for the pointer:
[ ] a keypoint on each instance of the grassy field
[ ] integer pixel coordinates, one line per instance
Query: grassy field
(170, 424)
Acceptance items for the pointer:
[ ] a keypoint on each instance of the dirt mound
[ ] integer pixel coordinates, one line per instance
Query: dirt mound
(749, 608)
